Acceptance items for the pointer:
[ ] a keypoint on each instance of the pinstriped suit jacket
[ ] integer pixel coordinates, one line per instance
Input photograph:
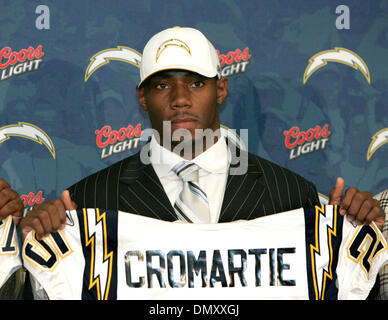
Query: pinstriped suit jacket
(131, 186)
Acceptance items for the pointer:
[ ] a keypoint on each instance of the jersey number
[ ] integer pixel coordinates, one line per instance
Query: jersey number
(366, 245)
(45, 252)
(7, 234)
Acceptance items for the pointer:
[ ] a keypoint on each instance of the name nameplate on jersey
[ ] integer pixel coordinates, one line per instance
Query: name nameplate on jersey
(309, 253)
(10, 260)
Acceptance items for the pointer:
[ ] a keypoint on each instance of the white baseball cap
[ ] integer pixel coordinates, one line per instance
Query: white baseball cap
(179, 48)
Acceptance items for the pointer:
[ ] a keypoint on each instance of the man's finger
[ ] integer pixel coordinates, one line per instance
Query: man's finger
(336, 192)
(13, 207)
(347, 200)
(45, 221)
(32, 223)
(7, 195)
(363, 216)
(376, 215)
(69, 204)
(57, 215)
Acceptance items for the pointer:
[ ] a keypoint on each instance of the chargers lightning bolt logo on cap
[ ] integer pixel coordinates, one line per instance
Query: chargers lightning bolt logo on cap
(340, 55)
(378, 140)
(29, 131)
(172, 42)
(120, 53)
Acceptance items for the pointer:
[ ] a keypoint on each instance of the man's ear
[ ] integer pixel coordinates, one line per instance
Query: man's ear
(141, 97)
(222, 89)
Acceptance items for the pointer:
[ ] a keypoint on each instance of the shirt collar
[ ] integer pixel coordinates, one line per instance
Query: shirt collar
(216, 159)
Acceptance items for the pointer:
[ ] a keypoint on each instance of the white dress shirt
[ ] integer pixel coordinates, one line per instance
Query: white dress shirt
(213, 172)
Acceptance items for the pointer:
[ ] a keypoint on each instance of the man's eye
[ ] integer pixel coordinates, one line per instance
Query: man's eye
(161, 86)
(197, 84)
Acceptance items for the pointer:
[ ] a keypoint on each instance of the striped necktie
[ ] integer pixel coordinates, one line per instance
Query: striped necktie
(192, 204)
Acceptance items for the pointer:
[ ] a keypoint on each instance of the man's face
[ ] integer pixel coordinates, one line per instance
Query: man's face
(186, 99)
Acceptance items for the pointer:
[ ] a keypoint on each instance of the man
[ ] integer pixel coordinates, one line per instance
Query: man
(181, 90)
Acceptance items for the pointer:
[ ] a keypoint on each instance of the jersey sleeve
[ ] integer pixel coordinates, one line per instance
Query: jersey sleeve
(363, 253)
(10, 260)
(56, 262)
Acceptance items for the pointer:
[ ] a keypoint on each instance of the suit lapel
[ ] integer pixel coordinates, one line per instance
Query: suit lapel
(141, 192)
(244, 193)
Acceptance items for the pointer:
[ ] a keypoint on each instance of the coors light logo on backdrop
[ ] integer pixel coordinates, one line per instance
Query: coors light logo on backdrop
(18, 62)
(31, 199)
(234, 62)
(302, 142)
(116, 141)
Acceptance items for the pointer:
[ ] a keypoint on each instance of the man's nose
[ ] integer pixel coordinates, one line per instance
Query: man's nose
(180, 97)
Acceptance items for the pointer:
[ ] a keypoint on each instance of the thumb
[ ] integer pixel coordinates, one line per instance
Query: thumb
(69, 204)
(337, 191)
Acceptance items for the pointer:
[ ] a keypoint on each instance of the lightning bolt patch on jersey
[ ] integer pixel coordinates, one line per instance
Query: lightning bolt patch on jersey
(99, 244)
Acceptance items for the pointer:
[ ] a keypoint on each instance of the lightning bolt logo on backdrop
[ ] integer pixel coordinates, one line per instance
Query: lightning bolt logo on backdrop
(28, 131)
(339, 55)
(233, 137)
(378, 140)
(120, 53)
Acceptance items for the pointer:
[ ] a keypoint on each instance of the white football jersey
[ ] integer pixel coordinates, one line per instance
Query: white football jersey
(309, 253)
(10, 260)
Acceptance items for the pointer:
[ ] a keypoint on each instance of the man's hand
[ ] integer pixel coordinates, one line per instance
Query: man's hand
(358, 206)
(47, 217)
(10, 202)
